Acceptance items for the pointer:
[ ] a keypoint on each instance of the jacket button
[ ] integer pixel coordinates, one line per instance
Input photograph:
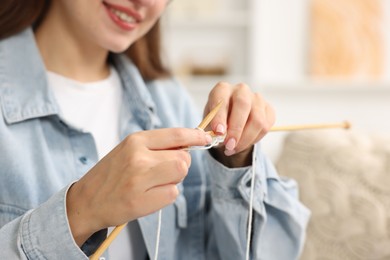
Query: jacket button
(83, 160)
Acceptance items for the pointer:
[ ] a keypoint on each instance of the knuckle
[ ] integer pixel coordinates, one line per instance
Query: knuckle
(138, 158)
(179, 134)
(258, 96)
(258, 122)
(236, 128)
(266, 122)
(131, 140)
(266, 126)
(243, 101)
(200, 138)
(266, 129)
(271, 114)
(172, 193)
(242, 87)
(185, 157)
(221, 86)
(182, 168)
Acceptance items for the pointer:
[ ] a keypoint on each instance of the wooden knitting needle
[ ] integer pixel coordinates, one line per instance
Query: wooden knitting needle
(345, 125)
(106, 243)
(206, 121)
(115, 232)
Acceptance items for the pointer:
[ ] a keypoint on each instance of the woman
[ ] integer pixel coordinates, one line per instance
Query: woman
(90, 134)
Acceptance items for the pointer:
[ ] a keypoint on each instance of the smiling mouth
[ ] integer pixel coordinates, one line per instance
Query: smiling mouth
(124, 17)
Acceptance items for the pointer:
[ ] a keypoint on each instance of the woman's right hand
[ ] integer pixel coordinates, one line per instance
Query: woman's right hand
(135, 179)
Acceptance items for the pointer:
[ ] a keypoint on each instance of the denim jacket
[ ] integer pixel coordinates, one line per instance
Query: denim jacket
(41, 156)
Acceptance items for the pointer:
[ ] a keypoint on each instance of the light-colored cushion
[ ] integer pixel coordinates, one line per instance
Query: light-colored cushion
(344, 178)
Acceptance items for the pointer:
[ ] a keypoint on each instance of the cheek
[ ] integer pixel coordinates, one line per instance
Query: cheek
(155, 13)
(83, 12)
(86, 24)
(151, 18)
(109, 38)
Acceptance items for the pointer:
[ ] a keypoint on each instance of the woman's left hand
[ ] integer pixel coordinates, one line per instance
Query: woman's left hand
(245, 117)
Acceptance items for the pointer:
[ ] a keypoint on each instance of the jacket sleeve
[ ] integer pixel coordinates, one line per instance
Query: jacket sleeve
(42, 233)
(279, 219)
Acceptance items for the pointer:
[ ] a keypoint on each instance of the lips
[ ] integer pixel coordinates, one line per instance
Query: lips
(125, 18)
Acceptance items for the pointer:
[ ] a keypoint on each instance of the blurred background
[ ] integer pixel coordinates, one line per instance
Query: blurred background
(315, 61)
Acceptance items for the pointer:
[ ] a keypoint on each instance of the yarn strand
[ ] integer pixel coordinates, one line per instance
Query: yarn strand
(158, 234)
(250, 214)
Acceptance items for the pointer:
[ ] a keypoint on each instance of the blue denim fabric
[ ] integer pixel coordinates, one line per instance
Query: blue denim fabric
(41, 156)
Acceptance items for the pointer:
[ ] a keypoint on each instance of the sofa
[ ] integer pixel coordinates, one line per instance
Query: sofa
(344, 179)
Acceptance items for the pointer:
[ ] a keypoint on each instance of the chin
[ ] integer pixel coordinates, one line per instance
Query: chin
(117, 45)
(118, 48)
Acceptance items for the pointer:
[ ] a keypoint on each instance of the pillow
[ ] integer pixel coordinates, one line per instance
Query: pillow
(344, 178)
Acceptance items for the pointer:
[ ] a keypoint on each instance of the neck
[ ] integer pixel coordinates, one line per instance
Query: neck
(68, 54)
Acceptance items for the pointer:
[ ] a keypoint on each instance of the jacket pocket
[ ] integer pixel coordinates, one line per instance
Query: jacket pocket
(9, 213)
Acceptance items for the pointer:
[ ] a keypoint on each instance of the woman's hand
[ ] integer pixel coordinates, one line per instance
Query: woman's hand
(137, 178)
(245, 117)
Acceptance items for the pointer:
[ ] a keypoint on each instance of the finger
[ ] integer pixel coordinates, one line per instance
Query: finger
(270, 115)
(168, 172)
(221, 92)
(169, 155)
(153, 200)
(255, 126)
(160, 197)
(168, 138)
(241, 105)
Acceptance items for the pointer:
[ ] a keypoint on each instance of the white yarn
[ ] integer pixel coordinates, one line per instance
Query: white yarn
(158, 234)
(249, 231)
(217, 140)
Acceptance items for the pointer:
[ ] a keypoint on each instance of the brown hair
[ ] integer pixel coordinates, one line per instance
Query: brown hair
(16, 15)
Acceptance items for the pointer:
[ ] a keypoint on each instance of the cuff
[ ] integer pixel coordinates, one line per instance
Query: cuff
(46, 233)
(235, 183)
(92, 244)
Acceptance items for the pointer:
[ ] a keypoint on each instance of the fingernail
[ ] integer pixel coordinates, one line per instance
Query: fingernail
(220, 129)
(231, 144)
(229, 152)
(209, 139)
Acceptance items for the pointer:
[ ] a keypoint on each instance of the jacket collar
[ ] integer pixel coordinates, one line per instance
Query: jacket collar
(137, 95)
(24, 91)
(23, 86)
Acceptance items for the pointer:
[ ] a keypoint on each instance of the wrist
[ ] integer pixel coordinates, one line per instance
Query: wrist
(80, 220)
(241, 159)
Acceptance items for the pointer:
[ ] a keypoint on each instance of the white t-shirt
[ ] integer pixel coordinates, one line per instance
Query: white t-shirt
(95, 108)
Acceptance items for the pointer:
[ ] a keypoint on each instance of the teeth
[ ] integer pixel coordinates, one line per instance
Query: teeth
(123, 16)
